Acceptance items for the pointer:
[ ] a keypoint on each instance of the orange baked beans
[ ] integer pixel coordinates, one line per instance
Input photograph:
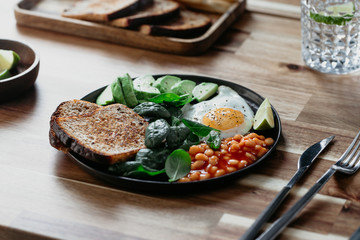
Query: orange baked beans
(234, 153)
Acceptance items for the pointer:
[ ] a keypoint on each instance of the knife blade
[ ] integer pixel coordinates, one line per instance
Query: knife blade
(304, 162)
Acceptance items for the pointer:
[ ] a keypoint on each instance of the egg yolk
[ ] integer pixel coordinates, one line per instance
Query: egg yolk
(223, 118)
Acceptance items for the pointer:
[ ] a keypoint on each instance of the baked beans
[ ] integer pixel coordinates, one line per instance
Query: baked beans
(234, 153)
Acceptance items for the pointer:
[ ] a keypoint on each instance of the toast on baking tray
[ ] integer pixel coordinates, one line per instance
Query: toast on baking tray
(104, 10)
(158, 12)
(187, 25)
(151, 17)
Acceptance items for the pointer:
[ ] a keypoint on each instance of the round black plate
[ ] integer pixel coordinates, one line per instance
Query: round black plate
(253, 99)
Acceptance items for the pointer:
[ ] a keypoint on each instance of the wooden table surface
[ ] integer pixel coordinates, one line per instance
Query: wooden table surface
(45, 195)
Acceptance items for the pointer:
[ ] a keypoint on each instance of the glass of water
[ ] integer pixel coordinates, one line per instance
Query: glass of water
(331, 35)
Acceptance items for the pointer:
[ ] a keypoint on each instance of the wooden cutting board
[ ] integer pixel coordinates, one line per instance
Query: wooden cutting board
(46, 15)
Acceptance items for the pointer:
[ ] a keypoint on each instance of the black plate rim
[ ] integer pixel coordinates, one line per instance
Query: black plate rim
(146, 185)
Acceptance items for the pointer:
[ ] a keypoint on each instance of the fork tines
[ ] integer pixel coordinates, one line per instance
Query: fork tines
(348, 161)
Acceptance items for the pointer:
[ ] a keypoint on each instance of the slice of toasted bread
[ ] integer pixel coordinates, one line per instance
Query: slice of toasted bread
(160, 11)
(187, 25)
(67, 109)
(104, 10)
(107, 135)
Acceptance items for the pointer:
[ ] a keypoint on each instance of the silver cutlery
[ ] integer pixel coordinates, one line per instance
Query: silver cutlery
(304, 162)
(348, 163)
(356, 235)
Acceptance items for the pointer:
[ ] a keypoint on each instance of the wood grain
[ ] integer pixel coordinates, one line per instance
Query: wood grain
(285, 8)
(47, 15)
(44, 195)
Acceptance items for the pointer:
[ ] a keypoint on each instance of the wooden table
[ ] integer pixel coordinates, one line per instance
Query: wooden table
(45, 195)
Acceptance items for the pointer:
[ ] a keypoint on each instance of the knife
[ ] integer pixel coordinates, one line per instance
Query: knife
(356, 235)
(304, 162)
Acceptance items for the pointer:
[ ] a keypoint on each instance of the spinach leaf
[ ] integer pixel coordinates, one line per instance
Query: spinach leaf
(172, 99)
(192, 139)
(174, 121)
(156, 133)
(214, 140)
(150, 173)
(184, 99)
(128, 169)
(175, 111)
(124, 168)
(177, 165)
(152, 159)
(176, 136)
(151, 109)
(197, 128)
(165, 97)
(133, 169)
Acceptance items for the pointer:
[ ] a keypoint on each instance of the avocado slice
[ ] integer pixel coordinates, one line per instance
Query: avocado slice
(128, 90)
(204, 90)
(183, 87)
(117, 92)
(144, 89)
(105, 97)
(165, 83)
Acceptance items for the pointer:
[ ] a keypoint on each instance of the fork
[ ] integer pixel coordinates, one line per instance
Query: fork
(348, 163)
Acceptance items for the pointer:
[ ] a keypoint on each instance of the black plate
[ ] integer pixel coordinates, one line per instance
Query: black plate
(253, 99)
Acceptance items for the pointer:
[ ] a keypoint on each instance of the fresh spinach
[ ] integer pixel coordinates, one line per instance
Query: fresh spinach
(175, 111)
(152, 159)
(151, 109)
(177, 165)
(124, 168)
(197, 128)
(192, 139)
(174, 121)
(176, 114)
(214, 140)
(150, 173)
(156, 133)
(165, 97)
(133, 169)
(172, 99)
(177, 136)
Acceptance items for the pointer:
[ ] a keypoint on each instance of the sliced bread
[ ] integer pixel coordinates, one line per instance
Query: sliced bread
(107, 135)
(187, 25)
(67, 109)
(159, 11)
(104, 10)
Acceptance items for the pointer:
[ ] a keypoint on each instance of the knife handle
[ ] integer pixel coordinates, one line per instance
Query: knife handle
(253, 231)
(283, 221)
(255, 228)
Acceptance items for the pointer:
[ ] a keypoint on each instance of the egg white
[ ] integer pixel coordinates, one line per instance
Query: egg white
(226, 98)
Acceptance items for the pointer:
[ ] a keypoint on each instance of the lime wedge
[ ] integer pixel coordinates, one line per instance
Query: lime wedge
(264, 118)
(339, 14)
(346, 8)
(4, 74)
(8, 59)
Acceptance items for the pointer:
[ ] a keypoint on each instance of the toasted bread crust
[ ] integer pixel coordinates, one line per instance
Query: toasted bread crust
(107, 135)
(104, 10)
(160, 11)
(188, 25)
(66, 109)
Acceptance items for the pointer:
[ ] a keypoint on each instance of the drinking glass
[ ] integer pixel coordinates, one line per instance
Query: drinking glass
(331, 35)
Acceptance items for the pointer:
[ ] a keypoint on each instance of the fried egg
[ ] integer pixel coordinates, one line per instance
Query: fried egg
(227, 112)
